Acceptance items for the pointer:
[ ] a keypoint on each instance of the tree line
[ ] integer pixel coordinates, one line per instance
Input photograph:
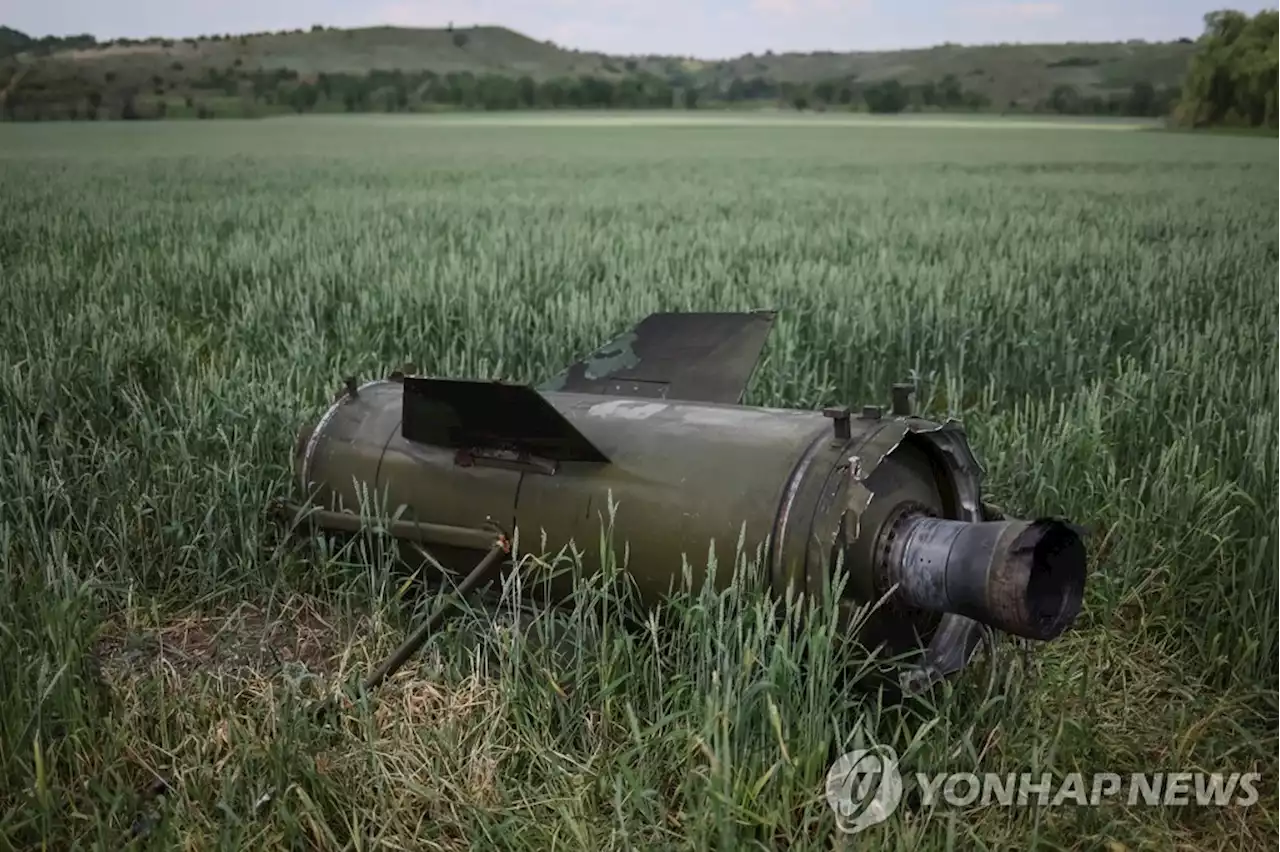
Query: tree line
(1231, 80)
(1142, 100)
(394, 91)
(1232, 76)
(236, 91)
(13, 42)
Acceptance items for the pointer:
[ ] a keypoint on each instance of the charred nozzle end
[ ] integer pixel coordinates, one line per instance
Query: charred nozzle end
(1022, 577)
(1039, 585)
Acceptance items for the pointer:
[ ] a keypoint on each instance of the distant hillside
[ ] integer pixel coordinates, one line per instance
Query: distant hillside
(1008, 72)
(262, 71)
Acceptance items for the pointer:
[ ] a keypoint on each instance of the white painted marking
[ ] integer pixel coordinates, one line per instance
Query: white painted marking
(725, 417)
(626, 409)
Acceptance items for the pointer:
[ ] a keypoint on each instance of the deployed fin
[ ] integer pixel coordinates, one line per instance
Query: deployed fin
(699, 357)
(469, 415)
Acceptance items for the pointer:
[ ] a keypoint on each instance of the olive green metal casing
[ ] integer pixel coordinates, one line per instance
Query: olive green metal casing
(800, 488)
(652, 423)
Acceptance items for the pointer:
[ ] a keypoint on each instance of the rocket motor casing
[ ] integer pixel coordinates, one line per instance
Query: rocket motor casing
(798, 487)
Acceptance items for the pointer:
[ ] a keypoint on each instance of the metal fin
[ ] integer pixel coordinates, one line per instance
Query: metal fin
(470, 415)
(697, 357)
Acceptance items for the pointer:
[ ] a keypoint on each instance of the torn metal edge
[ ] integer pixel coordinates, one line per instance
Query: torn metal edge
(957, 638)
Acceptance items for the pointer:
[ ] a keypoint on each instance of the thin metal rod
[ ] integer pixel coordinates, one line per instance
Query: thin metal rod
(479, 574)
(349, 522)
(416, 640)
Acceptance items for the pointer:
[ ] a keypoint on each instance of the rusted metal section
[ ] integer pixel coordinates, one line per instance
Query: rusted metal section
(698, 357)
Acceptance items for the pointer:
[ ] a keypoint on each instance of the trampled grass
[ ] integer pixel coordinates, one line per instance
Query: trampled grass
(1099, 308)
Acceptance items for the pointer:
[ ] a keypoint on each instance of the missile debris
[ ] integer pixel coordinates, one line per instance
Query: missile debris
(653, 422)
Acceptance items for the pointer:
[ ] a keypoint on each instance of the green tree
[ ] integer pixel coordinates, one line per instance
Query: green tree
(950, 93)
(528, 91)
(303, 98)
(1065, 99)
(886, 97)
(1231, 78)
(1142, 99)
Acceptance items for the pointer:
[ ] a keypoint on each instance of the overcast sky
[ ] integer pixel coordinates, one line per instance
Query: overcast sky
(706, 28)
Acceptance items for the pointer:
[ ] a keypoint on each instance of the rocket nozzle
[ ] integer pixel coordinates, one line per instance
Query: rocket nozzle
(1021, 577)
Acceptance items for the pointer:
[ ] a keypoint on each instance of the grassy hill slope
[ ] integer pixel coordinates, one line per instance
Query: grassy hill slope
(485, 49)
(1024, 72)
(1005, 74)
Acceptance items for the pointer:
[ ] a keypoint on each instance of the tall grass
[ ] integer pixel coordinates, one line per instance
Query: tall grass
(1098, 308)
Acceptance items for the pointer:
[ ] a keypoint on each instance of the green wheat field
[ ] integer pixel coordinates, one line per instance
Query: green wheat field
(1098, 306)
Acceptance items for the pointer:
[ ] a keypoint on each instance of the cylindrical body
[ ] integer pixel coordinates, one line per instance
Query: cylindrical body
(800, 489)
(1022, 577)
(680, 475)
